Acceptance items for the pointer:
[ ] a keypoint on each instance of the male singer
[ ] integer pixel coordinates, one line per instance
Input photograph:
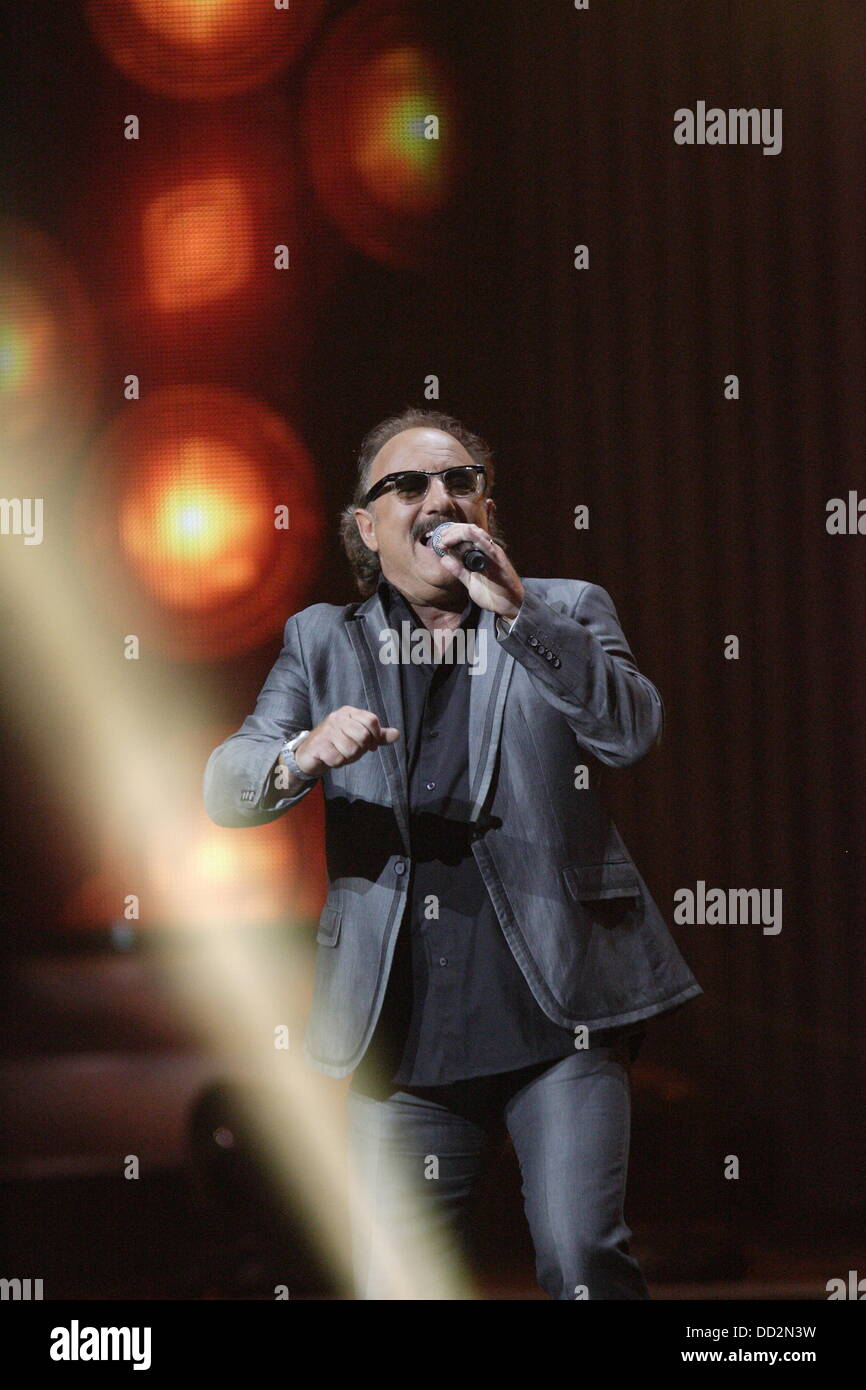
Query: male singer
(488, 952)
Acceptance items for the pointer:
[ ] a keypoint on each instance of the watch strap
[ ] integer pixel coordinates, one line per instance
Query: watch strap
(287, 754)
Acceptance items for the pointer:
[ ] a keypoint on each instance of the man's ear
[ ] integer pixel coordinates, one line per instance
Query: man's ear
(366, 527)
(491, 510)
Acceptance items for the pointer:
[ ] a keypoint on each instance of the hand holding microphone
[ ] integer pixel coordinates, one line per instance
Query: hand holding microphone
(492, 580)
(468, 551)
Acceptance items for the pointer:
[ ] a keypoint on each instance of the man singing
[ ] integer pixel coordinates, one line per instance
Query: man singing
(488, 953)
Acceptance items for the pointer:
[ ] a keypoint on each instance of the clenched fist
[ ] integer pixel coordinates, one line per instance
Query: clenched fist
(343, 736)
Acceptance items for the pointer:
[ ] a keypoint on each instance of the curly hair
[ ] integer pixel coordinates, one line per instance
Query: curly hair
(363, 561)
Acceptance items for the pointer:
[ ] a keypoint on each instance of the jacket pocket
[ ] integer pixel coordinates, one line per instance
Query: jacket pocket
(329, 926)
(591, 882)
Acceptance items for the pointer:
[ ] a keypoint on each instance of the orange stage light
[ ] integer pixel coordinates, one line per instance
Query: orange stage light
(188, 873)
(380, 123)
(392, 97)
(197, 243)
(198, 877)
(205, 878)
(195, 23)
(180, 241)
(185, 502)
(196, 521)
(202, 49)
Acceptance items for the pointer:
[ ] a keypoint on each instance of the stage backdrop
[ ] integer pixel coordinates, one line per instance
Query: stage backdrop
(218, 274)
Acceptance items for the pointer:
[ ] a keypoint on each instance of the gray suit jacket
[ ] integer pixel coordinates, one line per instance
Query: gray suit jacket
(560, 690)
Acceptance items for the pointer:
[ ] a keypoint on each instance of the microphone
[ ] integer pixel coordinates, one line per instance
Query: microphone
(473, 558)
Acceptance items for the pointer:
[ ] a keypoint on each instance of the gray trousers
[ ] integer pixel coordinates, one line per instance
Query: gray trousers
(414, 1156)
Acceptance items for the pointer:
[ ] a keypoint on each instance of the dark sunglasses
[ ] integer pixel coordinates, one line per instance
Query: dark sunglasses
(463, 481)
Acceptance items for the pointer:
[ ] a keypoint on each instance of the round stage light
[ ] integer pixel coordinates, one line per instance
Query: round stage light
(195, 522)
(202, 49)
(397, 96)
(201, 510)
(49, 355)
(380, 124)
(201, 248)
(197, 239)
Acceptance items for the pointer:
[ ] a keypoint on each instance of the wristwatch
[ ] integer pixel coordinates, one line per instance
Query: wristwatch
(287, 753)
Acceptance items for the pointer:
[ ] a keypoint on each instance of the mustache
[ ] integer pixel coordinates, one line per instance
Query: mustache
(430, 524)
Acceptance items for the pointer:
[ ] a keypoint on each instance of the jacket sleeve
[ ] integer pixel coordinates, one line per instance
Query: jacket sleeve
(581, 663)
(237, 778)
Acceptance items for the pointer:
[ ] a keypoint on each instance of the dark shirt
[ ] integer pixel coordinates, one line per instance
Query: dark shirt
(457, 1003)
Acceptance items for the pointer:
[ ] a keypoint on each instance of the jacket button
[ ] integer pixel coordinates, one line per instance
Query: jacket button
(533, 641)
(556, 661)
(548, 656)
(400, 866)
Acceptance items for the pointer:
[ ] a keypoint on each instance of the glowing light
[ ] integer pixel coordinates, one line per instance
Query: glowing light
(380, 122)
(202, 49)
(205, 509)
(198, 243)
(229, 992)
(48, 353)
(196, 522)
(195, 22)
(203, 876)
(28, 340)
(399, 164)
(178, 244)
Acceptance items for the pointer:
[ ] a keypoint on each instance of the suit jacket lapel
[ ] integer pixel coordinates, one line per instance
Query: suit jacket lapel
(385, 698)
(488, 687)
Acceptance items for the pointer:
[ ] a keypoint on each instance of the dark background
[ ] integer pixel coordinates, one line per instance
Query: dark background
(707, 518)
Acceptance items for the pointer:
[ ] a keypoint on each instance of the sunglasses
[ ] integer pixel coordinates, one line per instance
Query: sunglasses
(463, 481)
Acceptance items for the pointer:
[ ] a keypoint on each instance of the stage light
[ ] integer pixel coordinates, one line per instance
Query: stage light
(28, 341)
(380, 124)
(49, 355)
(203, 506)
(196, 522)
(189, 874)
(180, 239)
(202, 49)
(195, 23)
(198, 243)
(401, 167)
(204, 878)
